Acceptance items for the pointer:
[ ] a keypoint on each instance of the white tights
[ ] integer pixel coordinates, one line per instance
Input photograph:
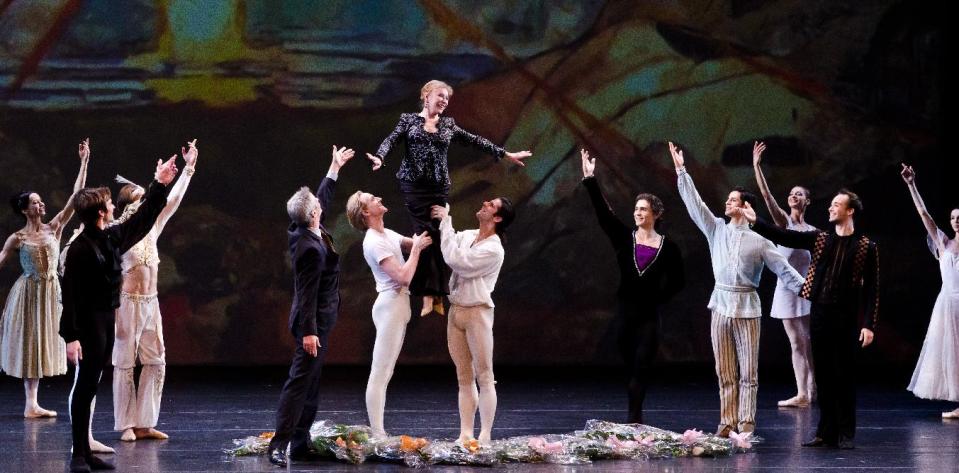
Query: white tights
(797, 329)
(391, 313)
(469, 333)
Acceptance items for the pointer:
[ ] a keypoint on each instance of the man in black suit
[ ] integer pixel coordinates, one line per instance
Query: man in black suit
(316, 300)
(91, 294)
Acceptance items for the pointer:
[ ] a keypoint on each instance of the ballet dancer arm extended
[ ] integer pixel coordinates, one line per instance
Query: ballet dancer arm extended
(486, 145)
(324, 192)
(780, 216)
(404, 274)
(379, 158)
(617, 232)
(702, 217)
(909, 176)
(179, 189)
(59, 222)
(471, 262)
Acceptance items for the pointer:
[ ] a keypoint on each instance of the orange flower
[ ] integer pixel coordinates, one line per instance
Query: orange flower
(267, 435)
(471, 445)
(409, 444)
(340, 442)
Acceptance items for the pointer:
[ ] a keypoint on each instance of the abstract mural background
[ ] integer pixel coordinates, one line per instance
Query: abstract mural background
(841, 91)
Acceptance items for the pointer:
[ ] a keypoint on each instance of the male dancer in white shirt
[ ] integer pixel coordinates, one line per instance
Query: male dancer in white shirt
(738, 256)
(475, 256)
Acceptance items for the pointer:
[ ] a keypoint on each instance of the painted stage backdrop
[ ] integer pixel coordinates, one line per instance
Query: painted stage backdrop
(842, 92)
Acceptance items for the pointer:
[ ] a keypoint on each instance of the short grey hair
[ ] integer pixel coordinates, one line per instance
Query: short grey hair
(300, 205)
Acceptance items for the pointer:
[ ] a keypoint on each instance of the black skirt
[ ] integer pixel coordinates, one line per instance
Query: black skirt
(432, 275)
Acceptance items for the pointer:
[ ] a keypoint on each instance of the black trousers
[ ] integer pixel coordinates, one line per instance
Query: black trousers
(432, 276)
(96, 345)
(299, 399)
(638, 341)
(834, 334)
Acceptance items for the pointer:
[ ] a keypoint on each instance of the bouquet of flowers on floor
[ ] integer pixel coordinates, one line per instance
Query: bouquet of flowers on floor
(350, 443)
(409, 450)
(637, 441)
(536, 449)
(451, 452)
(252, 445)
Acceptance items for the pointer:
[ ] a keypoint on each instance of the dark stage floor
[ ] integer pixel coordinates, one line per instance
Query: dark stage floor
(204, 409)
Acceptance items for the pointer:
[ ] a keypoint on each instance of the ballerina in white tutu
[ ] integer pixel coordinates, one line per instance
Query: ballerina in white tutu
(937, 372)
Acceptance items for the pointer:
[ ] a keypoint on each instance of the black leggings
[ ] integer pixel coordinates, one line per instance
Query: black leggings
(96, 346)
(638, 343)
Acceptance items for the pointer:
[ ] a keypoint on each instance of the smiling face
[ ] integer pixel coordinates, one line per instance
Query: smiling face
(437, 100)
(643, 214)
(35, 207)
(798, 198)
(733, 203)
(372, 205)
(488, 211)
(954, 220)
(839, 209)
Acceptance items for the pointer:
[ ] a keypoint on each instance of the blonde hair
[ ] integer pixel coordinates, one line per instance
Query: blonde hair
(300, 205)
(432, 85)
(354, 212)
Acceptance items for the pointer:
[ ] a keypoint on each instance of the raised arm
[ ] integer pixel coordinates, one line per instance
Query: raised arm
(909, 176)
(702, 217)
(324, 192)
(136, 227)
(9, 248)
(780, 216)
(179, 189)
(380, 157)
(59, 221)
(615, 230)
(468, 262)
(403, 274)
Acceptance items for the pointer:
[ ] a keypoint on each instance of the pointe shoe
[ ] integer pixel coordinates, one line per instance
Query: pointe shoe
(128, 435)
(150, 433)
(38, 412)
(795, 401)
(951, 414)
(485, 439)
(98, 447)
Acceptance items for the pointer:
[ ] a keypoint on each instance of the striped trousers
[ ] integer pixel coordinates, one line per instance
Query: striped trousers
(736, 350)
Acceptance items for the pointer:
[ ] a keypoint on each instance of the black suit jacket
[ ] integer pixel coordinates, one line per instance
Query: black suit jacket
(92, 275)
(316, 268)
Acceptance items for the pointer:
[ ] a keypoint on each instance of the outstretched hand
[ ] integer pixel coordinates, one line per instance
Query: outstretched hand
(908, 174)
(758, 148)
(83, 150)
(677, 155)
(589, 165)
(748, 212)
(377, 162)
(518, 157)
(866, 336)
(190, 154)
(166, 171)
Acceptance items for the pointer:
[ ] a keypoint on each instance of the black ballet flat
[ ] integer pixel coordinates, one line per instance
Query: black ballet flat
(98, 464)
(817, 442)
(79, 465)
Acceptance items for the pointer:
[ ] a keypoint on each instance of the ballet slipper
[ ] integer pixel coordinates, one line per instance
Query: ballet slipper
(438, 306)
(951, 414)
(427, 306)
(150, 433)
(128, 435)
(37, 412)
(98, 447)
(795, 401)
(485, 439)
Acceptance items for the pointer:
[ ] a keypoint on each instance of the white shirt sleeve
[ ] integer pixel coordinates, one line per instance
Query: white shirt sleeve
(468, 262)
(702, 217)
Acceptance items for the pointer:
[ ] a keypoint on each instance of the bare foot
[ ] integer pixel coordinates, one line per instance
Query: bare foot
(98, 447)
(37, 412)
(150, 433)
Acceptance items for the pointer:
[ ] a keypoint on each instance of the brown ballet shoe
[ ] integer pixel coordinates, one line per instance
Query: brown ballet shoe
(150, 433)
(438, 306)
(38, 413)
